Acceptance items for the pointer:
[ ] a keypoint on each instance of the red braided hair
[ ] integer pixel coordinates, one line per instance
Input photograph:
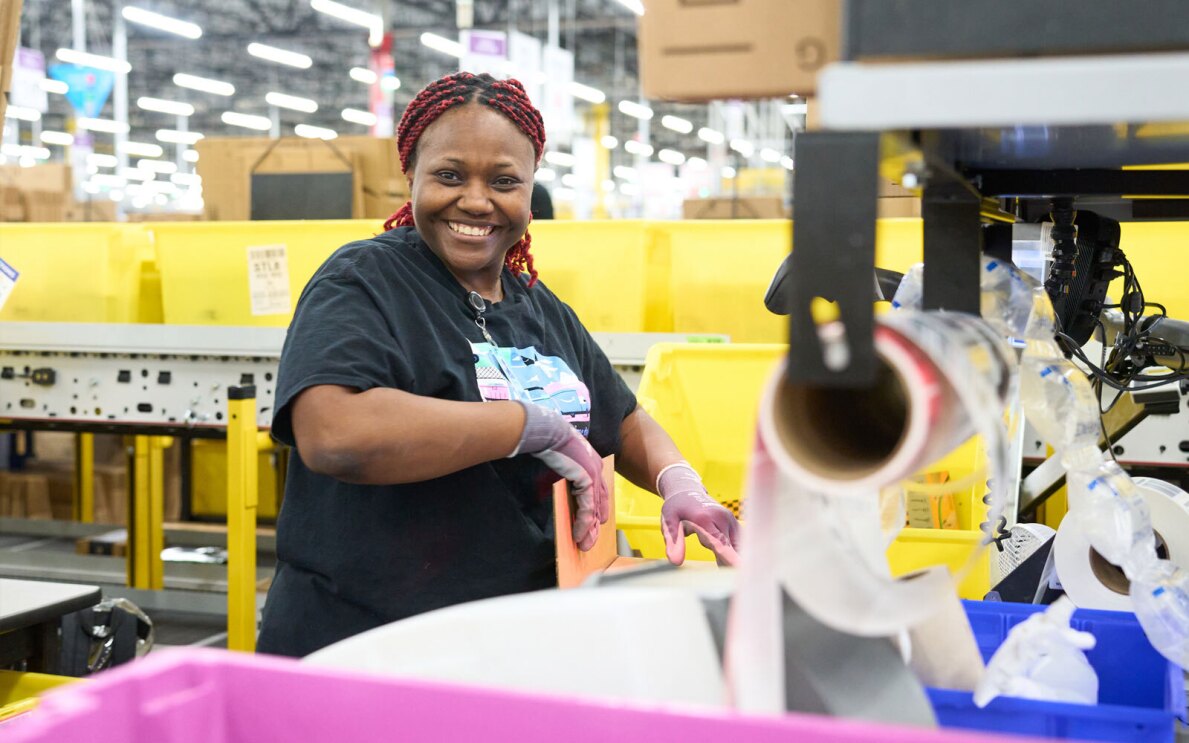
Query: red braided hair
(507, 97)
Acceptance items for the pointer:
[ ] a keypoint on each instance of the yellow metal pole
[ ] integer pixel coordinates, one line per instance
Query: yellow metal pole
(242, 447)
(84, 477)
(156, 515)
(600, 115)
(139, 504)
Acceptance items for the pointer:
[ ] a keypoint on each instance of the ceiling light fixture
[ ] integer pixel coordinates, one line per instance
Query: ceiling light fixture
(162, 22)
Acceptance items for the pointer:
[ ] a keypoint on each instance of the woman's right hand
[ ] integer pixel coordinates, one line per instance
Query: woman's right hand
(549, 436)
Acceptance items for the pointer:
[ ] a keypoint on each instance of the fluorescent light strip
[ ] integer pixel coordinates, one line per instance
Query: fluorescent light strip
(102, 125)
(770, 155)
(587, 93)
(54, 86)
(21, 113)
(636, 6)
(292, 102)
(173, 136)
(743, 147)
(677, 124)
(136, 174)
(157, 166)
(61, 139)
(111, 181)
(441, 44)
(546, 175)
(672, 157)
(342, 12)
(728, 172)
(638, 148)
(625, 173)
(203, 84)
(247, 121)
(562, 159)
(314, 132)
(696, 163)
(162, 22)
(190, 156)
(355, 116)
(786, 162)
(390, 83)
(364, 75)
(99, 62)
(635, 110)
(711, 136)
(142, 149)
(186, 179)
(609, 142)
(280, 56)
(102, 161)
(177, 108)
(569, 180)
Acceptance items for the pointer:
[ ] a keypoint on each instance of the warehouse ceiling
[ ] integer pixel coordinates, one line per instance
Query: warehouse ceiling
(601, 33)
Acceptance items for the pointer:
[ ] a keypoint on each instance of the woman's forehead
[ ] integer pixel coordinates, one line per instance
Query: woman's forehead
(474, 129)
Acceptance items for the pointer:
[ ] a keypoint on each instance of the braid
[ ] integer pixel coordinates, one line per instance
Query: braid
(508, 97)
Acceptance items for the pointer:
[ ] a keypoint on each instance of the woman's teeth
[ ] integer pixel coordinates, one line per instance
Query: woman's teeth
(466, 229)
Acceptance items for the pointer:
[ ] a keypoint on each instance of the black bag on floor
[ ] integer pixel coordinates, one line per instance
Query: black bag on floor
(112, 632)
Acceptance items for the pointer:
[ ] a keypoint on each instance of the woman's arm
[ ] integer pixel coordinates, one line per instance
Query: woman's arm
(386, 436)
(645, 449)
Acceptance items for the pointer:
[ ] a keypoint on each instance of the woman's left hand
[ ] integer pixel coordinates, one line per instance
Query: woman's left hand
(688, 503)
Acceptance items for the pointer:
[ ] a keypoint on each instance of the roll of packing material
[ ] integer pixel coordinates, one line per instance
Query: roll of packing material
(940, 379)
(1093, 583)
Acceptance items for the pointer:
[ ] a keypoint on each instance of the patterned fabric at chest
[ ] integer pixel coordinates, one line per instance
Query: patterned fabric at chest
(522, 374)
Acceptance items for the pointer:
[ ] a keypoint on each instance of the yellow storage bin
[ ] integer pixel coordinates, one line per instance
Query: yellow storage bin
(204, 265)
(208, 483)
(707, 398)
(74, 272)
(598, 268)
(19, 691)
(721, 269)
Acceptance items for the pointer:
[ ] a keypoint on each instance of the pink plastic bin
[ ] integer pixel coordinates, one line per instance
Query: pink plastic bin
(212, 696)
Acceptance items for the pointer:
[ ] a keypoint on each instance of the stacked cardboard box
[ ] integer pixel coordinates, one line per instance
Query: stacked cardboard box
(749, 207)
(226, 166)
(42, 193)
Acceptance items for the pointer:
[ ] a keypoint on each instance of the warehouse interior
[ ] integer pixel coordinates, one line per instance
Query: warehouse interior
(774, 369)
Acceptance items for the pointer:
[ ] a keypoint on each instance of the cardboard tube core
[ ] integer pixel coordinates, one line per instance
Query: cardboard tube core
(1112, 576)
(843, 433)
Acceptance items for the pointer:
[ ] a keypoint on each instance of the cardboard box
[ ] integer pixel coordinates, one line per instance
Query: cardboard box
(697, 51)
(92, 210)
(751, 207)
(226, 164)
(897, 207)
(42, 193)
(10, 27)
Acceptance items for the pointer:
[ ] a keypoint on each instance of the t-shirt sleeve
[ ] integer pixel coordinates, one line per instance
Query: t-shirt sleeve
(338, 336)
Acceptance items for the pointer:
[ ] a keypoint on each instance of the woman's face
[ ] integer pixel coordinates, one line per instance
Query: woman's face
(471, 184)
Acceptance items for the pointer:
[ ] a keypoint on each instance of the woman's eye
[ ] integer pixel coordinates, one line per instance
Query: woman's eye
(447, 175)
(507, 182)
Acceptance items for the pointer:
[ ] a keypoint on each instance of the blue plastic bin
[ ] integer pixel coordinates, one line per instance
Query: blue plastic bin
(1140, 694)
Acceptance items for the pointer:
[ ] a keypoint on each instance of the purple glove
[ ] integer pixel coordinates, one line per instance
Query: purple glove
(687, 502)
(549, 436)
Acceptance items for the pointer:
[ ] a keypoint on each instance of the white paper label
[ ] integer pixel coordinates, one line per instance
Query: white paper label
(268, 279)
(8, 279)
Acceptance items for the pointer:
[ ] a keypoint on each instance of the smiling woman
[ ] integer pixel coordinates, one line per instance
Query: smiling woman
(433, 393)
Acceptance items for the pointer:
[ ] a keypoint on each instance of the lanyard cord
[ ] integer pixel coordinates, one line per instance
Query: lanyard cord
(480, 306)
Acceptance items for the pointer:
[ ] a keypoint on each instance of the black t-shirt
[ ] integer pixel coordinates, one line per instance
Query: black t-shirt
(386, 312)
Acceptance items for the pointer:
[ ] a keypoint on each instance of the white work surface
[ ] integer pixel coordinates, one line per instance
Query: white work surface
(28, 602)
